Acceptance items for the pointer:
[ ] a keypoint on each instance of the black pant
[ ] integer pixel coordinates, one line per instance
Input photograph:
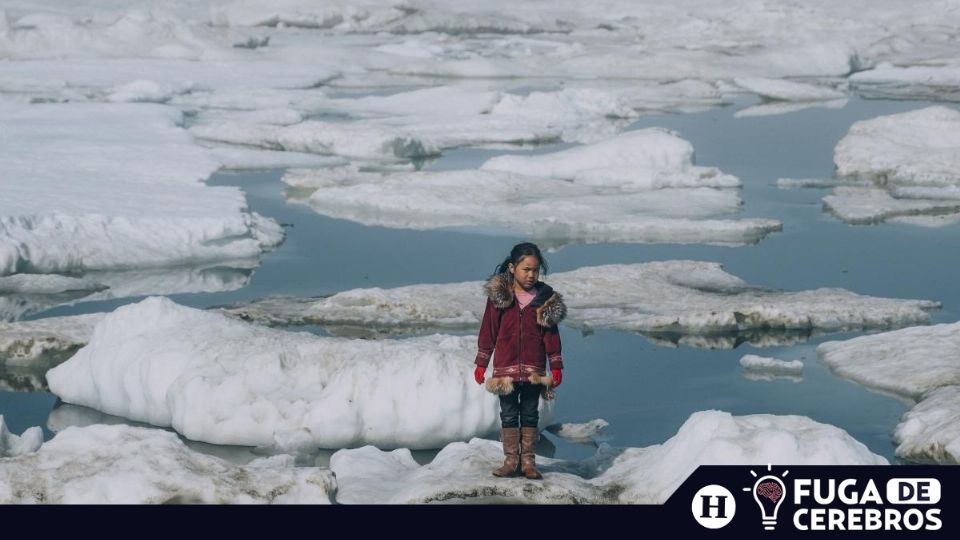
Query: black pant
(519, 408)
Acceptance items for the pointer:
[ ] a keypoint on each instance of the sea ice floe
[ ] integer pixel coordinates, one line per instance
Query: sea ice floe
(134, 196)
(223, 381)
(118, 464)
(645, 159)
(864, 205)
(687, 297)
(931, 429)
(461, 471)
(637, 187)
(354, 140)
(901, 167)
(778, 89)
(920, 365)
(938, 82)
(920, 147)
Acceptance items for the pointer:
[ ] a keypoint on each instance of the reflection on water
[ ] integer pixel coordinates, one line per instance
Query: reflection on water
(133, 284)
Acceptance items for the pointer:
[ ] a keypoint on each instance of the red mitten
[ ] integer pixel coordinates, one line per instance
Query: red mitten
(557, 377)
(478, 374)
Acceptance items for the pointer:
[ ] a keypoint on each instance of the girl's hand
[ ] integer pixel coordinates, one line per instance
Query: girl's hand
(557, 377)
(478, 374)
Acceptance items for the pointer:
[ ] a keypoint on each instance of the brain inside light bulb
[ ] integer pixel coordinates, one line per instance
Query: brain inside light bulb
(770, 490)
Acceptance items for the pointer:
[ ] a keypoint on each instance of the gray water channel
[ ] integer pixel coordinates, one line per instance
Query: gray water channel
(644, 390)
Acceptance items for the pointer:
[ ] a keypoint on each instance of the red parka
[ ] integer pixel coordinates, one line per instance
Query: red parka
(521, 341)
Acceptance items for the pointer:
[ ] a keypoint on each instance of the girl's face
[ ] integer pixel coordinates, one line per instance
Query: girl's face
(526, 273)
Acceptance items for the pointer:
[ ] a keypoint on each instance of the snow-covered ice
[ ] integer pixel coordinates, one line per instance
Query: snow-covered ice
(118, 464)
(920, 147)
(636, 187)
(783, 90)
(937, 82)
(900, 167)
(134, 198)
(667, 296)
(354, 140)
(641, 160)
(907, 362)
(12, 445)
(864, 205)
(223, 381)
(917, 364)
(931, 429)
(461, 471)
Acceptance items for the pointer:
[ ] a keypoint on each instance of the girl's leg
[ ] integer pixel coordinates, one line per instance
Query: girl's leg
(510, 408)
(510, 433)
(529, 416)
(529, 400)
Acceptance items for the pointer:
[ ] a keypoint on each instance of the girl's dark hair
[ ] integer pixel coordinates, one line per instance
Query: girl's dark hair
(518, 252)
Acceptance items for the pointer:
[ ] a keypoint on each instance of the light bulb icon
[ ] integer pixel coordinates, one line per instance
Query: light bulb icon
(768, 491)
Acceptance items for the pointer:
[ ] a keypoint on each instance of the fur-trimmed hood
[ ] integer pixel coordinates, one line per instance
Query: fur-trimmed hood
(548, 303)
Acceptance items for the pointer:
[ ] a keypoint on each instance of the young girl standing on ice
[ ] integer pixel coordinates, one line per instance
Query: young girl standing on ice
(519, 330)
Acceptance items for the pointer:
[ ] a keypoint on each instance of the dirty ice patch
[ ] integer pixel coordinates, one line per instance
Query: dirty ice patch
(23, 343)
(12, 445)
(355, 140)
(224, 381)
(127, 194)
(645, 159)
(460, 473)
(688, 297)
(920, 365)
(118, 464)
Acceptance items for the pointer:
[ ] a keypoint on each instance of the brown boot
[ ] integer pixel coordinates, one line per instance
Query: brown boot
(511, 449)
(528, 441)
